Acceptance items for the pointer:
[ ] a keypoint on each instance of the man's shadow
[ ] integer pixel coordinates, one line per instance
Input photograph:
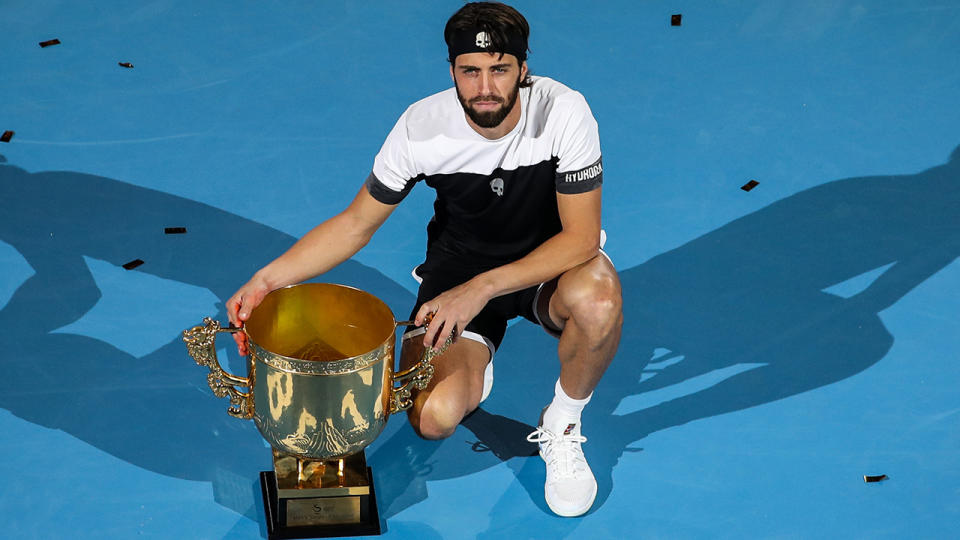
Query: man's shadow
(747, 294)
(154, 411)
(744, 304)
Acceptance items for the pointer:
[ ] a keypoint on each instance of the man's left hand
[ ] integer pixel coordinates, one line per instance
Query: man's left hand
(452, 311)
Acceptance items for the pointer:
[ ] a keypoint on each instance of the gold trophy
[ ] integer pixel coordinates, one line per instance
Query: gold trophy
(320, 387)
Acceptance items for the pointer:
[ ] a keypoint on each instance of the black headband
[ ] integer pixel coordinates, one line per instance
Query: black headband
(477, 40)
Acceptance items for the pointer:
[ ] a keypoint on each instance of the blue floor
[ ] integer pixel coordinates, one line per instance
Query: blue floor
(779, 343)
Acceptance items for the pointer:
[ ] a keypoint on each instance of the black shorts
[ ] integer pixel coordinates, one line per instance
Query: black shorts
(440, 274)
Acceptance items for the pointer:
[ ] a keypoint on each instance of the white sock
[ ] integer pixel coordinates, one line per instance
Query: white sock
(563, 413)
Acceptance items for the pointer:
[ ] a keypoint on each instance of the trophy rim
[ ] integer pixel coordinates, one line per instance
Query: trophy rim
(300, 366)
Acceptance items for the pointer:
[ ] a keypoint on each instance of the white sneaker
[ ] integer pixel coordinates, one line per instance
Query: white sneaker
(570, 488)
(487, 381)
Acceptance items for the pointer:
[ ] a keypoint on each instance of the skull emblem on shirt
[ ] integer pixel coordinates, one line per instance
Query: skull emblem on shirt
(497, 186)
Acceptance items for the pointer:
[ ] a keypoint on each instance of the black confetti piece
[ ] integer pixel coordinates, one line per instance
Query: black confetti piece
(49, 42)
(175, 230)
(7, 135)
(878, 478)
(132, 264)
(676, 19)
(127, 65)
(750, 185)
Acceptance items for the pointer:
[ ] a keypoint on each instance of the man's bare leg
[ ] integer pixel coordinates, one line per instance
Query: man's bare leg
(585, 305)
(455, 389)
(588, 309)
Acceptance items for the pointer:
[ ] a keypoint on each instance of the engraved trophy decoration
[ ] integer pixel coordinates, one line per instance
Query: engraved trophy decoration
(320, 387)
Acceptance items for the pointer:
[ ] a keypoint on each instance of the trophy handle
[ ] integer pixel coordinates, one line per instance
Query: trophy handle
(200, 342)
(417, 376)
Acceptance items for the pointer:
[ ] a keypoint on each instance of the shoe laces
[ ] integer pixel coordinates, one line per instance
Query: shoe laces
(562, 453)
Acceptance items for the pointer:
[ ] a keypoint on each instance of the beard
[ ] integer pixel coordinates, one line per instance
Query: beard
(489, 119)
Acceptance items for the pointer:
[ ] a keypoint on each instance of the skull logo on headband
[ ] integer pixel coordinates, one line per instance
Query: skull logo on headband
(483, 40)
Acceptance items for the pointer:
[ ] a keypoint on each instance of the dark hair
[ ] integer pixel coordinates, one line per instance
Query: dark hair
(499, 21)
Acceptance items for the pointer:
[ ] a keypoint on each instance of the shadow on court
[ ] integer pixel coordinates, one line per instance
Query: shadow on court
(745, 301)
(155, 411)
(744, 304)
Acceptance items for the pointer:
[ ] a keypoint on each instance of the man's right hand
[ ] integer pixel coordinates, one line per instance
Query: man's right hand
(240, 306)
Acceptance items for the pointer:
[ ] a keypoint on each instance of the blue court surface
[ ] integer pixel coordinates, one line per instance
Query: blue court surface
(779, 344)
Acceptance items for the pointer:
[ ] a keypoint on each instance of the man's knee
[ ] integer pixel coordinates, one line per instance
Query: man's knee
(435, 416)
(597, 304)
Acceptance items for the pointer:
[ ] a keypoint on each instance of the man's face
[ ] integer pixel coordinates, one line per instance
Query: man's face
(487, 86)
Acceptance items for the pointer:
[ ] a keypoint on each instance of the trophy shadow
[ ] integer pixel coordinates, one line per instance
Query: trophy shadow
(154, 411)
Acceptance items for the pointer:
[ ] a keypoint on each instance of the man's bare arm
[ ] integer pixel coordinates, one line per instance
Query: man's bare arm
(324, 247)
(575, 244)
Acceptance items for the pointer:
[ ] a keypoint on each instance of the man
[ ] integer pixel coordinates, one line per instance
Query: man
(516, 164)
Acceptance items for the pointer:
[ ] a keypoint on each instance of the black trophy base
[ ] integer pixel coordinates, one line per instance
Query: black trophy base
(272, 507)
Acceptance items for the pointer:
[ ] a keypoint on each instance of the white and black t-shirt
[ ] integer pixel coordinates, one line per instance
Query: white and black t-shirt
(496, 199)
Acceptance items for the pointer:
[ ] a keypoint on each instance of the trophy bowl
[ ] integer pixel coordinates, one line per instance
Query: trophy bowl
(320, 386)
